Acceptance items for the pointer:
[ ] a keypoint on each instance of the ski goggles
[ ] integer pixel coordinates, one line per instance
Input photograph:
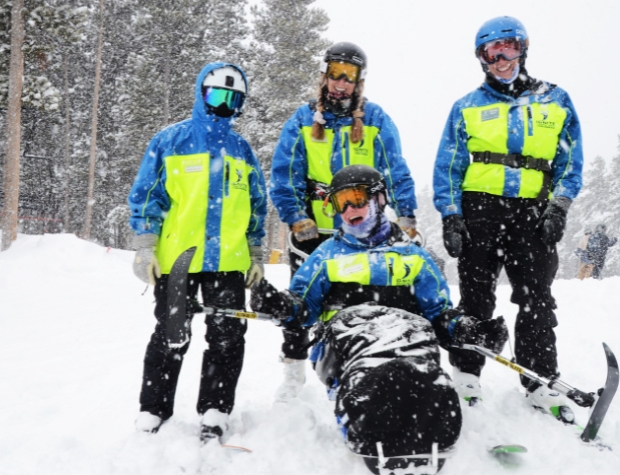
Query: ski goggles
(356, 196)
(337, 70)
(507, 48)
(216, 96)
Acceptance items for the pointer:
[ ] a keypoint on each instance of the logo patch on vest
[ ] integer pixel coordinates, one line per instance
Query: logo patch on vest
(544, 123)
(489, 114)
(238, 184)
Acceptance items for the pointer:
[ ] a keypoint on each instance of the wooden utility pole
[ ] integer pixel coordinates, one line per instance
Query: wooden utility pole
(10, 211)
(93, 138)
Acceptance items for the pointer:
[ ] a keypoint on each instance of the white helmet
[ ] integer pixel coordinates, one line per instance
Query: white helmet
(226, 78)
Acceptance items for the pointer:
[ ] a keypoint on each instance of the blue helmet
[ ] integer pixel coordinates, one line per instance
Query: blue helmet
(501, 27)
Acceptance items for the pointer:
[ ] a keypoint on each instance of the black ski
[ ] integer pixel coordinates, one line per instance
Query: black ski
(605, 397)
(177, 322)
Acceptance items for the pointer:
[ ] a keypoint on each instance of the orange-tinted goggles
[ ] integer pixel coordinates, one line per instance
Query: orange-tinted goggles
(337, 70)
(356, 197)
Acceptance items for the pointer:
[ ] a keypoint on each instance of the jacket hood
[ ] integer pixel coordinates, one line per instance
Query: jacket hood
(200, 111)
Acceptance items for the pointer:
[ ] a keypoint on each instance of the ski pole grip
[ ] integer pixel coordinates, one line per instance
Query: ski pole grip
(580, 398)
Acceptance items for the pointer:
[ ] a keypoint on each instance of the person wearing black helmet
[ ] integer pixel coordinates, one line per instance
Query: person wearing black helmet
(338, 128)
(508, 167)
(380, 307)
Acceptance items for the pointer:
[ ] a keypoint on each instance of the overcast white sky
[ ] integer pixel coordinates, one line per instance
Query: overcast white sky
(421, 60)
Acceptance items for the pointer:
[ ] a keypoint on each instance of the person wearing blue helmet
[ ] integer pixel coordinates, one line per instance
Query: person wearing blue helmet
(199, 185)
(508, 167)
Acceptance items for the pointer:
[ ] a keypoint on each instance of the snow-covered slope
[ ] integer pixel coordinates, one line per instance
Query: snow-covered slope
(73, 329)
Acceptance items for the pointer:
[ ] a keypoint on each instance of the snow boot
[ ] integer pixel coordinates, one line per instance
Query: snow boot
(147, 422)
(551, 402)
(294, 379)
(467, 386)
(213, 425)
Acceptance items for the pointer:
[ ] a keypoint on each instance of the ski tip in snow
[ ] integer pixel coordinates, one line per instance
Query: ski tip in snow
(508, 449)
(236, 447)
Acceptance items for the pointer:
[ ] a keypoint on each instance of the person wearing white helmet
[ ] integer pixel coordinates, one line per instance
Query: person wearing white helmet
(199, 185)
(508, 167)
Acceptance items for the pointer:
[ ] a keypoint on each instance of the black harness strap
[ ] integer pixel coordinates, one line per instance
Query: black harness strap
(516, 160)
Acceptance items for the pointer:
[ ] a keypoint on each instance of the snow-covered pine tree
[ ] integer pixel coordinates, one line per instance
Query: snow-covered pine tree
(284, 68)
(46, 27)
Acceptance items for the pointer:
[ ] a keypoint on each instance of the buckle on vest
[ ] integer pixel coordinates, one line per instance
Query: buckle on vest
(486, 157)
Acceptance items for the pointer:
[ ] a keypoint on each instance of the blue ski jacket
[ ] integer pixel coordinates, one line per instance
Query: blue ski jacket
(380, 149)
(541, 124)
(396, 262)
(200, 184)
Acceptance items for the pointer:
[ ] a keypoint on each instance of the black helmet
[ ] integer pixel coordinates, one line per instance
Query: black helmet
(347, 53)
(356, 175)
(369, 180)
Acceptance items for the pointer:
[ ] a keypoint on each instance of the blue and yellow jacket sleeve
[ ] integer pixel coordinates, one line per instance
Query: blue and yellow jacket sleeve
(312, 284)
(431, 289)
(258, 197)
(148, 200)
(289, 169)
(450, 165)
(567, 166)
(389, 158)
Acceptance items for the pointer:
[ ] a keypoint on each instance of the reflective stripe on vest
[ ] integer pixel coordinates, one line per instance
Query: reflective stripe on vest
(386, 269)
(319, 158)
(488, 127)
(187, 184)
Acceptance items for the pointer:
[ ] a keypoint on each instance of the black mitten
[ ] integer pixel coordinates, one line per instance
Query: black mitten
(553, 221)
(492, 334)
(284, 306)
(454, 233)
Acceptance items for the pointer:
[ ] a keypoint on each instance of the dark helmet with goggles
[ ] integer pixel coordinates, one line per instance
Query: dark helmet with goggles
(355, 186)
(502, 37)
(224, 90)
(345, 60)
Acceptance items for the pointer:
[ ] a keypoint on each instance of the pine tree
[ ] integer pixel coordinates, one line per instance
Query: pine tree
(283, 71)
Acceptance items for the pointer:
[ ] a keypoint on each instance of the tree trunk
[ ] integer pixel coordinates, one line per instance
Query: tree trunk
(14, 120)
(67, 144)
(93, 138)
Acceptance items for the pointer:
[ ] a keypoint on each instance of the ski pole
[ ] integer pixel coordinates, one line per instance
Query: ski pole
(577, 396)
(230, 313)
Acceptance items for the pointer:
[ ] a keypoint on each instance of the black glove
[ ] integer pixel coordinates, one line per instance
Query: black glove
(454, 233)
(285, 306)
(553, 220)
(492, 334)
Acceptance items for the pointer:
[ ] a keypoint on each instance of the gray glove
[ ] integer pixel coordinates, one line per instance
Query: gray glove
(257, 270)
(145, 265)
(305, 229)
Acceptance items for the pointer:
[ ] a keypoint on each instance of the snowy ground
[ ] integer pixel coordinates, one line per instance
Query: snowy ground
(74, 327)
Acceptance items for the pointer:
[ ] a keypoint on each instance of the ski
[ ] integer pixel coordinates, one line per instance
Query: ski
(177, 323)
(508, 449)
(508, 455)
(605, 396)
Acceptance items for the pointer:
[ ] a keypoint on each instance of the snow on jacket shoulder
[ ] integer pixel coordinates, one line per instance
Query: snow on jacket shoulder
(523, 116)
(202, 165)
(289, 172)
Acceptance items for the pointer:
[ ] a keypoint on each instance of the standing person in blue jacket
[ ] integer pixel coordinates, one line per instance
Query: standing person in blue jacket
(508, 167)
(337, 129)
(200, 185)
(380, 362)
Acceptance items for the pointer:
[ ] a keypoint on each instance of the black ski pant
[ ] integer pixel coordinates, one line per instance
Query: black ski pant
(504, 235)
(295, 344)
(222, 361)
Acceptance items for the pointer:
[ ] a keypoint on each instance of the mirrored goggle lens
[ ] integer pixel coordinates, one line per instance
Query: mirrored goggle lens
(508, 48)
(356, 197)
(350, 72)
(215, 96)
